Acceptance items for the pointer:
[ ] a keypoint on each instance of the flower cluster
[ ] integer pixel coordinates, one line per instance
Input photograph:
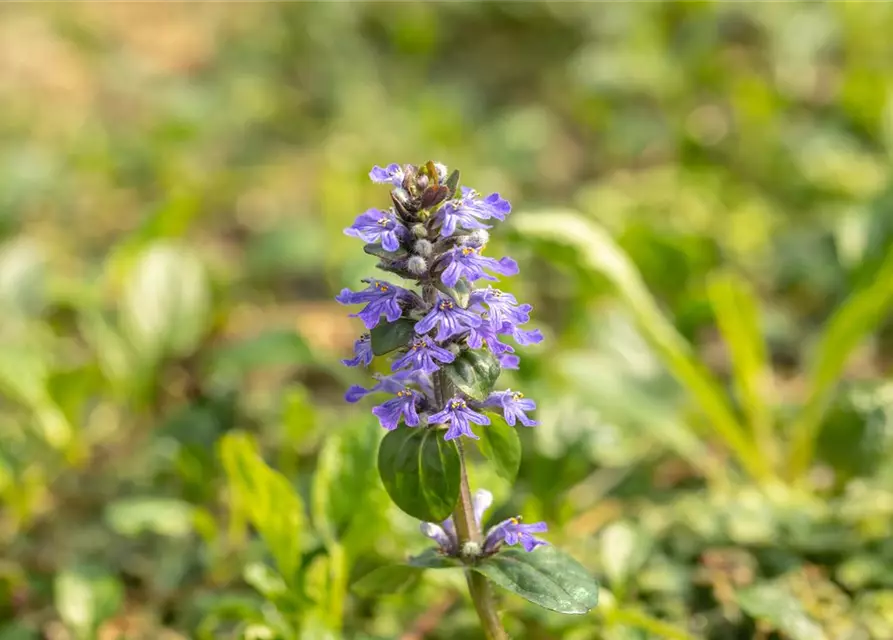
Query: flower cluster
(510, 531)
(434, 235)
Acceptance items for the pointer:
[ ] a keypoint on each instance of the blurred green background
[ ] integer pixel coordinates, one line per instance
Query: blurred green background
(703, 215)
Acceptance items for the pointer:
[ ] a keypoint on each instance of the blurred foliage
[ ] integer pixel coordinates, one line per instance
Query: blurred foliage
(703, 219)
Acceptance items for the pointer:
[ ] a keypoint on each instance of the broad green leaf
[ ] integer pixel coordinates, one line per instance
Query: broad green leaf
(384, 580)
(460, 293)
(500, 444)
(166, 303)
(277, 347)
(379, 252)
(85, 597)
(780, 608)
(267, 499)
(599, 253)
(433, 559)
(546, 576)
(474, 372)
(164, 516)
(388, 336)
(420, 472)
(737, 314)
(858, 316)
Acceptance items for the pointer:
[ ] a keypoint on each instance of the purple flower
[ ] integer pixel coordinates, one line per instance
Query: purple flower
(378, 226)
(511, 531)
(468, 211)
(362, 351)
(468, 262)
(403, 405)
(386, 384)
(452, 320)
(503, 307)
(381, 298)
(444, 534)
(393, 174)
(459, 416)
(509, 361)
(422, 355)
(486, 336)
(513, 405)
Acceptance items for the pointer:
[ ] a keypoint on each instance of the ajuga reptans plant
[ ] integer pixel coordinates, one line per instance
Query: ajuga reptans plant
(448, 341)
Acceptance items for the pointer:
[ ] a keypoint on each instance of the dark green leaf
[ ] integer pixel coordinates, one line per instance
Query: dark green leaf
(390, 579)
(501, 445)
(377, 251)
(269, 349)
(460, 293)
(433, 559)
(546, 576)
(420, 472)
(452, 182)
(388, 336)
(474, 373)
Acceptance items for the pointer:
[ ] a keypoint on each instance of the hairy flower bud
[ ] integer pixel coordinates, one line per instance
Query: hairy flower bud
(477, 238)
(416, 265)
(424, 248)
(419, 231)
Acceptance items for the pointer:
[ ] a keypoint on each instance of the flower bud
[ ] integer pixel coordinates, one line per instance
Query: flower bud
(416, 265)
(477, 238)
(420, 231)
(454, 348)
(423, 248)
(471, 550)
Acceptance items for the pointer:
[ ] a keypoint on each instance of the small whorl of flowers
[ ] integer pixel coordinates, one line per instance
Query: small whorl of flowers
(434, 235)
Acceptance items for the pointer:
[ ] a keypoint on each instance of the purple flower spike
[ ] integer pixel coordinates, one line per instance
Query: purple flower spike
(381, 298)
(502, 307)
(449, 319)
(392, 174)
(362, 351)
(404, 405)
(459, 416)
(422, 356)
(511, 532)
(379, 226)
(468, 262)
(486, 336)
(513, 405)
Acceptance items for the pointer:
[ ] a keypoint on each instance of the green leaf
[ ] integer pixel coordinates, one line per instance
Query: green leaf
(474, 372)
(420, 472)
(267, 499)
(433, 559)
(277, 347)
(460, 293)
(547, 577)
(500, 444)
(452, 183)
(737, 313)
(166, 303)
(388, 336)
(598, 253)
(780, 608)
(391, 579)
(164, 516)
(858, 316)
(85, 597)
(377, 251)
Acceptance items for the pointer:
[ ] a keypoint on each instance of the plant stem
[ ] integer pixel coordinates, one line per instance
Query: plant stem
(467, 529)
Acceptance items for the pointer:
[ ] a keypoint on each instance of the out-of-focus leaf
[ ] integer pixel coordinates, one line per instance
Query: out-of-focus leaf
(268, 500)
(22, 278)
(858, 316)
(500, 444)
(546, 576)
(164, 516)
(737, 314)
(266, 581)
(599, 253)
(278, 347)
(165, 306)
(624, 549)
(420, 472)
(390, 579)
(778, 607)
(85, 597)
